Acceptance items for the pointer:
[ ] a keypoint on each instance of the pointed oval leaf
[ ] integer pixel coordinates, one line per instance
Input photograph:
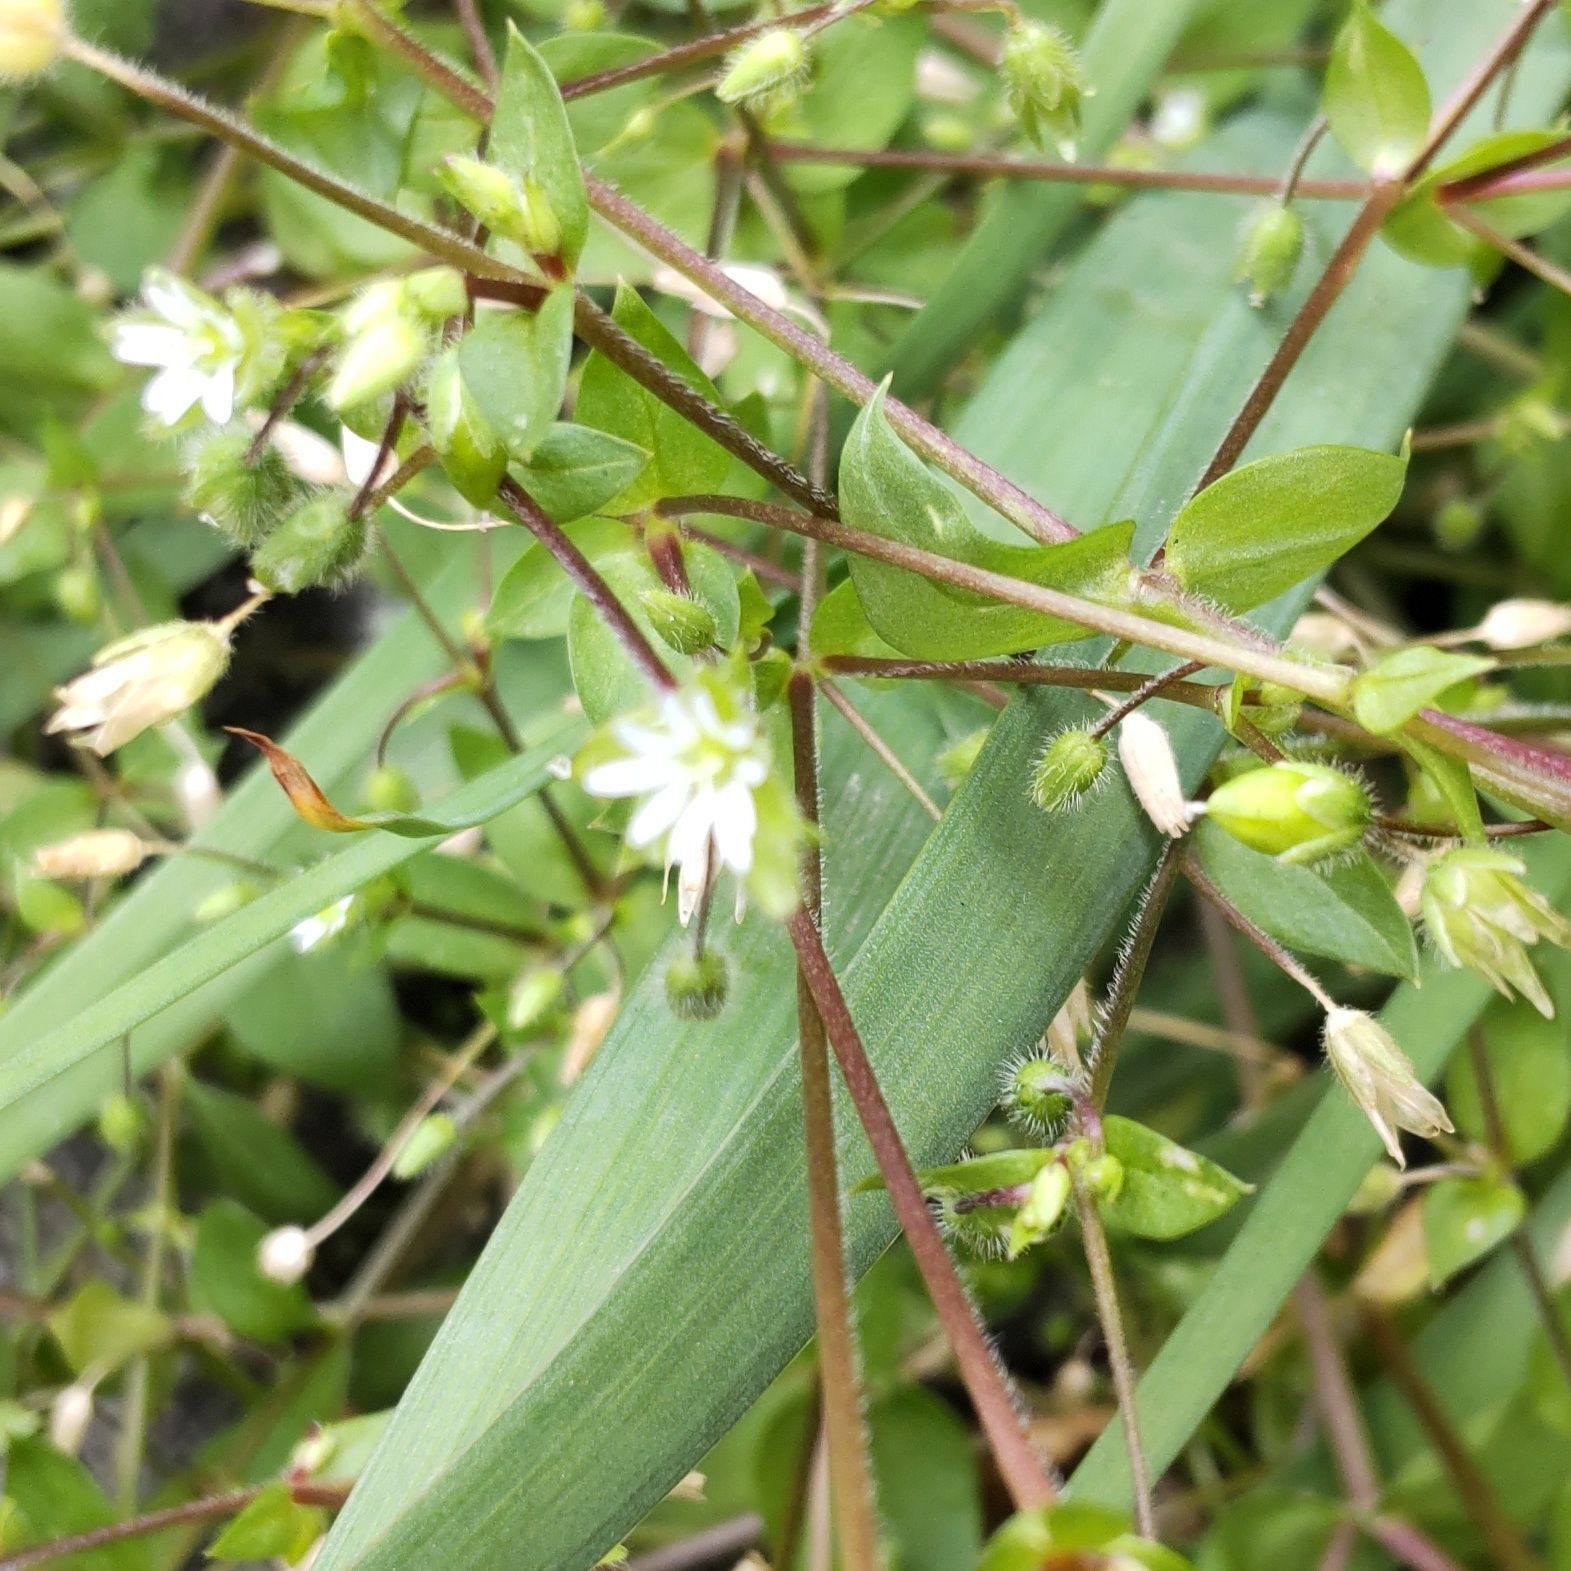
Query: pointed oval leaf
(1167, 1191)
(1376, 98)
(1396, 687)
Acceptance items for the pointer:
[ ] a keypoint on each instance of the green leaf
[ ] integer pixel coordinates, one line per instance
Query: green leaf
(514, 366)
(886, 490)
(259, 1164)
(225, 1280)
(472, 453)
(1530, 1070)
(1167, 1191)
(99, 1330)
(1397, 686)
(925, 1470)
(535, 594)
(530, 138)
(840, 626)
(1271, 524)
(57, 1497)
(1377, 100)
(683, 461)
(1049, 1535)
(273, 1526)
(1453, 781)
(575, 470)
(1464, 1218)
(1345, 911)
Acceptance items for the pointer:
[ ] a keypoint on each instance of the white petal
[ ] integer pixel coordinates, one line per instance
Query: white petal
(177, 302)
(172, 394)
(149, 343)
(619, 777)
(736, 822)
(218, 398)
(661, 812)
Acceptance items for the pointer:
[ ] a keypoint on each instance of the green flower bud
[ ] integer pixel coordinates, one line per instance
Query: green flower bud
(1104, 1177)
(390, 790)
(1044, 83)
(1037, 1091)
(242, 500)
(955, 762)
(683, 621)
(1273, 243)
(1043, 1209)
(696, 985)
(1293, 810)
(30, 32)
(766, 72)
(1458, 524)
(77, 594)
(376, 359)
(514, 209)
(225, 901)
(433, 1137)
(1528, 422)
(583, 16)
(531, 997)
(1069, 766)
(437, 293)
(121, 1123)
(317, 544)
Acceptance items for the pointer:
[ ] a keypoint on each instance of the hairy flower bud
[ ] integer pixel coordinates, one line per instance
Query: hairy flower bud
(95, 853)
(317, 544)
(696, 985)
(1147, 757)
(765, 72)
(121, 1123)
(1480, 913)
(1296, 811)
(375, 360)
(30, 33)
(141, 681)
(1377, 1075)
(285, 1255)
(1037, 1091)
(1044, 83)
(1067, 768)
(1043, 1208)
(514, 209)
(436, 293)
(1273, 243)
(683, 621)
(243, 500)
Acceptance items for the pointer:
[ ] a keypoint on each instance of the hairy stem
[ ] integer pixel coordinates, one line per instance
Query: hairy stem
(1023, 1472)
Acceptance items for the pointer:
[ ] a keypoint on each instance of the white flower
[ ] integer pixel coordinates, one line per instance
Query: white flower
(1377, 1075)
(696, 765)
(1519, 624)
(1147, 757)
(197, 347)
(141, 681)
(316, 932)
(69, 1415)
(285, 1255)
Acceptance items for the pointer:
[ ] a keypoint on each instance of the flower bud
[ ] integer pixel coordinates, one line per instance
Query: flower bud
(1377, 1075)
(1147, 756)
(1104, 1177)
(316, 544)
(436, 293)
(683, 621)
(1037, 1092)
(69, 1415)
(765, 72)
(532, 996)
(957, 760)
(1296, 811)
(1044, 83)
(76, 593)
(1068, 767)
(141, 681)
(514, 209)
(1273, 243)
(121, 1123)
(285, 1255)
(1480, 913)
(243, 500)
(1458, 524)
(1043, 1208)
(432, 1139)
(1520, 624)
(95, 853)
(376, 359)
(390, 790)
(30, 33)
(696, 985)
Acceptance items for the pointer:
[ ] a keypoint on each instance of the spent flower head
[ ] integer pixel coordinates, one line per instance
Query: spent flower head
(141, 681)
(1044, 83)
(95, 853)
(697, 763)
(1480, 912)
(1375, 1072)
(217, 354)
(1148, 760)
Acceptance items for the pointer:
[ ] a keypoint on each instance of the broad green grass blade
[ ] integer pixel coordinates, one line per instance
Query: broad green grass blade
(219, 949)
(602, 1344)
